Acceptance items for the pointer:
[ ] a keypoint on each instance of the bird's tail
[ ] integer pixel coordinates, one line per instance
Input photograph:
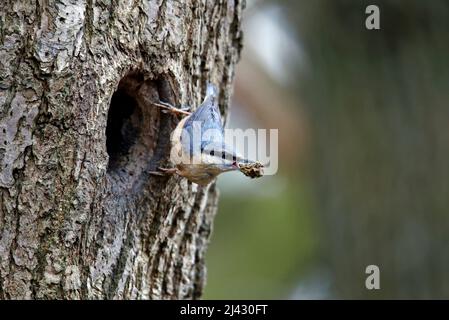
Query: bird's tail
(211, 90)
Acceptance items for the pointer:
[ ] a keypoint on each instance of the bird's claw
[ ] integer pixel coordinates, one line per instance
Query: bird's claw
(164, 171)
(156, 173)
(168, 108)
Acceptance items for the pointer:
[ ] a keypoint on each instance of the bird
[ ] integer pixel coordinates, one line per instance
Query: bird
(199, 152)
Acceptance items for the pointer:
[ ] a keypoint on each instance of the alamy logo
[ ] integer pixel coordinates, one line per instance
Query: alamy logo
(201, 143)
(372, 22)
(373, 280)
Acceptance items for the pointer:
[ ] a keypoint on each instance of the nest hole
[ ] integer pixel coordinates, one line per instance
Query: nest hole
(136, 130)
(123, 127)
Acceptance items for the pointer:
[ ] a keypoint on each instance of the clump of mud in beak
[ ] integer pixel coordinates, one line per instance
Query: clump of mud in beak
(252, 170)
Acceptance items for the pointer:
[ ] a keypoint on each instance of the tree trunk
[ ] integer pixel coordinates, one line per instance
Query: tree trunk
(80, 215)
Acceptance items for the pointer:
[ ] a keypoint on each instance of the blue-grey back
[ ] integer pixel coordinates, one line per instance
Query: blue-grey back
(205, 122)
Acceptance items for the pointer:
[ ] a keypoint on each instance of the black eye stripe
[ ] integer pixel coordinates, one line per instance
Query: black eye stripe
(228, 156)
(224, 155)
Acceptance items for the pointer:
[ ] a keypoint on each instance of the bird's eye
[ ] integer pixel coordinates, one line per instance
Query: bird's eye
(234, 158)
(212, 153)
(223, 156)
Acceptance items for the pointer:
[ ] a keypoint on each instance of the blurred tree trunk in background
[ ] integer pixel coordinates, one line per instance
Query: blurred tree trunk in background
(80, 216)
(379, 106)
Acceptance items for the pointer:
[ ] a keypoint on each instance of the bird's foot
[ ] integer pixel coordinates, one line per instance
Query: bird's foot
(168, 108)
(164, 171)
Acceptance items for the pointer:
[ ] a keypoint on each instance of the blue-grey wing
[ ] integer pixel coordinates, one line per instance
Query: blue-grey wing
(204, 123)
(208, 113)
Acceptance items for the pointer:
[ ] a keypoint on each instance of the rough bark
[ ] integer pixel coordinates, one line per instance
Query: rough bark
(80, 216)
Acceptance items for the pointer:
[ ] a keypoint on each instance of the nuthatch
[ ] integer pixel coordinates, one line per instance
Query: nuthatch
(198, 150)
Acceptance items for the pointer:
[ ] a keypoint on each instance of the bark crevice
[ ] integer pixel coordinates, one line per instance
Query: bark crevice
(81, 217)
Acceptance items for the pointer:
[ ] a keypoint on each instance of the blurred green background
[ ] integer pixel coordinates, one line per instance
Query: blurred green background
(363, 119)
